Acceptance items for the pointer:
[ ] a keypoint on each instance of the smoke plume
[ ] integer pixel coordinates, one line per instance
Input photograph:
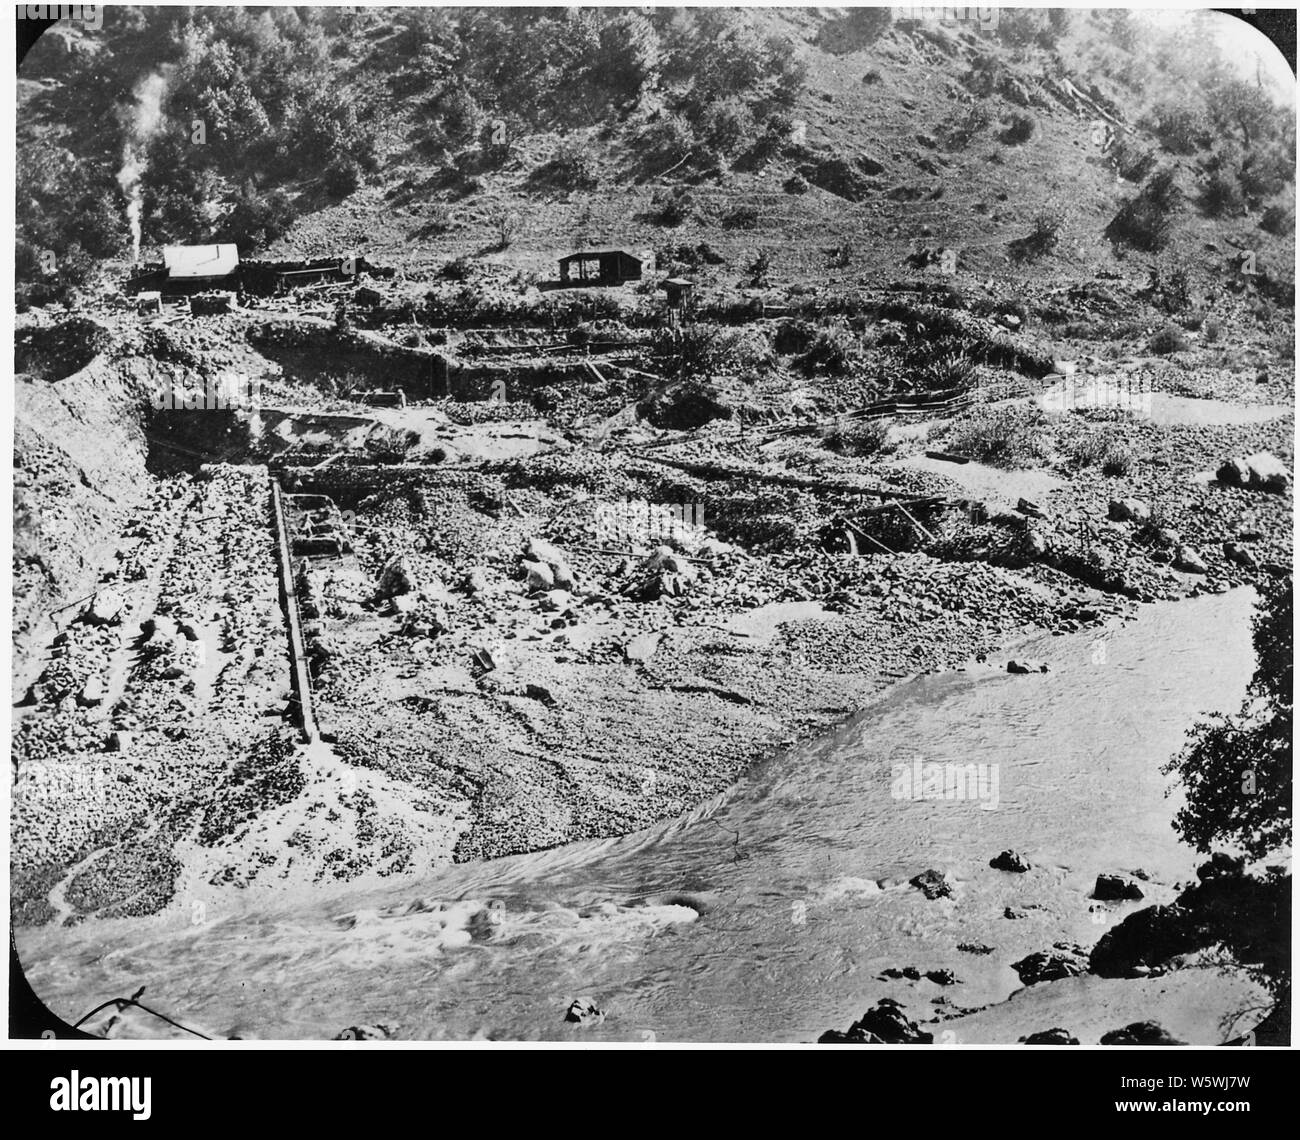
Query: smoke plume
(142, 122)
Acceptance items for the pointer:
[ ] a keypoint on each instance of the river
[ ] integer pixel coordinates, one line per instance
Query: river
(767, 913)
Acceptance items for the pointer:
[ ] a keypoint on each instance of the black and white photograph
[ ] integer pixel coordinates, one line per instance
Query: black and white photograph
(650, 526)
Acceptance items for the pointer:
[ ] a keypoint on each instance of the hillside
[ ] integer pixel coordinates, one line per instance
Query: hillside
(835, 142)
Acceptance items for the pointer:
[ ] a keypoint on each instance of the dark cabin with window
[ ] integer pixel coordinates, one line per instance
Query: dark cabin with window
(600, 267)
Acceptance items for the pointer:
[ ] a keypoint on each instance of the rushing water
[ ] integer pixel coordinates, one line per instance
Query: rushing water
(767, 913)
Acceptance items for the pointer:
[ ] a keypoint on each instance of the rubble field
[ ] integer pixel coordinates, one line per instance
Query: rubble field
(554, 581)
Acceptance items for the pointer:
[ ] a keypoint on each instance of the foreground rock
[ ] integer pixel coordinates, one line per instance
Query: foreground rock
(1011, 861)
(1064, 960)
(584, 1011)
(932, 884)
(1140, 1033)
(1115, 888)
(884, 1024)
(1055, 1036)
(1262, 471)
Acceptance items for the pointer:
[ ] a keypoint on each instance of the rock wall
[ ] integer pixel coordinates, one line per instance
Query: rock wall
(80, 454)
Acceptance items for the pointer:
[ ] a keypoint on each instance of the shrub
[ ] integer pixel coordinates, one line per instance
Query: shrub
(960, 134)
(671, 207)
(1170, 289)
(727, 127)
(1132, 161)
(458, 270)
(665, 143)
(342, 177)
(1181, 130)
(1221, 194)
(857, 437)
(833, 350)
(1020, 129)
(1043, 238)
(1116, 460)
(507, 224)
(1211, 330)
(758, 269)
(796, 184)
(1278, 220)
(1146, 221)
(740, 218)
(569, 168)
(1168, 339)
(1005, 436)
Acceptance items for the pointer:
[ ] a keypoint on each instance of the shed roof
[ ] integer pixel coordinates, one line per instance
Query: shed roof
(601, 253)
(200, 260)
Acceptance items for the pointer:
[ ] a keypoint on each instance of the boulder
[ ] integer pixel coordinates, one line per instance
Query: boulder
(642, 647)
(584, 1011)
(1033, 510)
(396, 578)
(1055, 1036)
(1234, 472)
(933, 884)
(477, 580)
(1010, 861)
(942, 977)
(883, 1024)
(1145, 939)
(1238, 554)
(539, 574)
(105, 608)
(1051, 965)
(1188, 559)
(1115, 888)
(119, 741)
(1129, 510)
(1140, 1033)
(1267, 472)
(92, 692)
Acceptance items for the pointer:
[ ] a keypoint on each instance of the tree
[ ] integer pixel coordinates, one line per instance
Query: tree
(1237, 770)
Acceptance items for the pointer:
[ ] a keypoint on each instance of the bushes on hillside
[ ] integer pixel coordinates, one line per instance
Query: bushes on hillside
(1043, 238)
(1168, 339)
(1147, 220)
(569, 168)
(1019, 129)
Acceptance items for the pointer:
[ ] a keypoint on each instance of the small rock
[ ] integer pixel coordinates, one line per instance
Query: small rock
(1056, 1036)
(1017, 666)
(365, 1033)
(1236, 553)
(642, 647)
(119, 741)
(477, 580)
(1128, 510)
(584, 1011)
(975, 947)
(1188, 559)
(539, 693)
(1025, 507)
(1140, 1033)
(540, 576)
(942, 977)
(1010, 861)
